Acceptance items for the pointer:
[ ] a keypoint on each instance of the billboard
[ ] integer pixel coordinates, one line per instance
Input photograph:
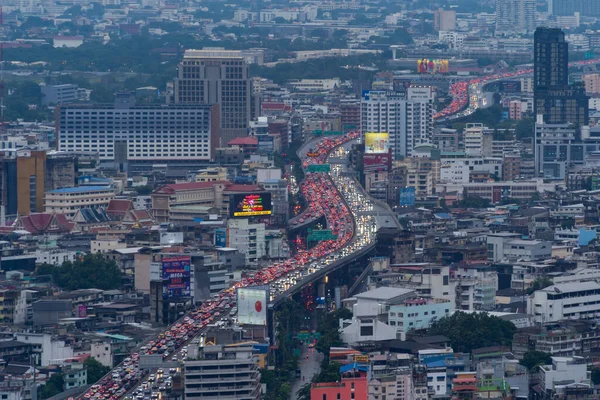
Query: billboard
(221, 238)
(426, 66)
(407, 196)
(250, 204)
(82, 311)
(252, 306)
(171, 238)
(176, 277)
(377, 162)
(377, 142)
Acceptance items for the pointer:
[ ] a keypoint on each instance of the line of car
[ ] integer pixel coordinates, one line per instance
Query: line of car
(463, 90)
(171, 342)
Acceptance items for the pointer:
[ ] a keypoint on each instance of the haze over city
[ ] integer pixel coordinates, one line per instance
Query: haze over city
(299, 200)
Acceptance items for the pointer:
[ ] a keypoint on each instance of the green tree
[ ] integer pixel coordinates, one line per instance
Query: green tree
(91, 271)
(525, 128)
(95, 370)
(474, 202)
(596, 376)
(533, 359)
(144, 190)
(540, 283)
(304, 392)
(474, 330)
(54, 385)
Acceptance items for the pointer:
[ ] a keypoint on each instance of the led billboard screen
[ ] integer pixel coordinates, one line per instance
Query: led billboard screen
(250, 205)
(176, 277)
(252, 306)
(377, 142)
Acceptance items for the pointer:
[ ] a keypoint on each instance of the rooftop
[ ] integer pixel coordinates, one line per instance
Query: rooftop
(82, 189)
(572, 287)
(384, 293)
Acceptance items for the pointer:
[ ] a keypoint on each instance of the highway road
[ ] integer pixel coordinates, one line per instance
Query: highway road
(468, 96)
(340, 199)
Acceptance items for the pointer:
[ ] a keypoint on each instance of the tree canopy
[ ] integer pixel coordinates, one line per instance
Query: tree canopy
(474, 202)
(54, 385)
(474, 330)
(95, 370)
(533, 359)
(525, 128)
(91, 271)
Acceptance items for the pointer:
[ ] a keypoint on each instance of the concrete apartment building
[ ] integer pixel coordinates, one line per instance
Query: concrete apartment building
(510, 246)
(124, 132)
(217, 76)
(248, 238)
(69, 200)
(223, 372)
(59, 94)
(580, 300)
(409, 121)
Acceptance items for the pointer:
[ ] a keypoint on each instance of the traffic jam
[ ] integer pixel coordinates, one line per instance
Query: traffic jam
(461, 91)
(128, 380)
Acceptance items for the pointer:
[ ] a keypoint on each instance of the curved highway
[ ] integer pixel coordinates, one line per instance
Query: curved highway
(467, 96)
(340, 200)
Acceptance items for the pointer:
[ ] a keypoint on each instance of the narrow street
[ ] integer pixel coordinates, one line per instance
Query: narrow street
(308, 367)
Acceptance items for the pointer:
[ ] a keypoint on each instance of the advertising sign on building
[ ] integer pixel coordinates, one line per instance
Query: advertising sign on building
(377, 142)
(377, 162)
(407, 196)
(252, 306)
(82, 311)
(176, 277)
(171, 238)
(221, 238)
(251, 204)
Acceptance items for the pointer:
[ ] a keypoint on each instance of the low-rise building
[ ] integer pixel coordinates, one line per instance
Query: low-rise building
(223, 372)
(69, 200)
(577, 300)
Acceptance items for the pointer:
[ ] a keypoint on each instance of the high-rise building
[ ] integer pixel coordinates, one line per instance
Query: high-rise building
(589, 8)
(554, 99)
(515, 16)
(551, 59)
(592, 83)
(444, 20)
(216, 76)
(123, 133)
(556, 149)
(408, 120)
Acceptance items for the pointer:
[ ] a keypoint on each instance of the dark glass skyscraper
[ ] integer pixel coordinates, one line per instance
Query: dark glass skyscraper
(551, 59)
(554, 98)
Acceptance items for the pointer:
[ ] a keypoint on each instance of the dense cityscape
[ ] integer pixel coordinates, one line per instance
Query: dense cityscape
(291, 199)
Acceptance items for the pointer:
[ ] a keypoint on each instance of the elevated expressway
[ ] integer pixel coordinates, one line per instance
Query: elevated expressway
(284, 278)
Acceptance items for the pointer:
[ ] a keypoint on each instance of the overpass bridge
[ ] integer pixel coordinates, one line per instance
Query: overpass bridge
(321, 274)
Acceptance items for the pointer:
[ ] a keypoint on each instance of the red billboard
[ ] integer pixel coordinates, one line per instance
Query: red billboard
(377, 161)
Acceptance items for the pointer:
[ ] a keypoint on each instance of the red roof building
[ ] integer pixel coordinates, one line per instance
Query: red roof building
(42, 223)
(248, 144)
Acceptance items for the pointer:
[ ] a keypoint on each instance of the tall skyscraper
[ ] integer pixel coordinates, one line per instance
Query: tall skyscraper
(215, 76)
(408, 120)
(554, 99)
(515, 16)
(551, 59)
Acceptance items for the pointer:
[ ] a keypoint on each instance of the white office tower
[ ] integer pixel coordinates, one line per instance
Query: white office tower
(515, 16)
(408, 120)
